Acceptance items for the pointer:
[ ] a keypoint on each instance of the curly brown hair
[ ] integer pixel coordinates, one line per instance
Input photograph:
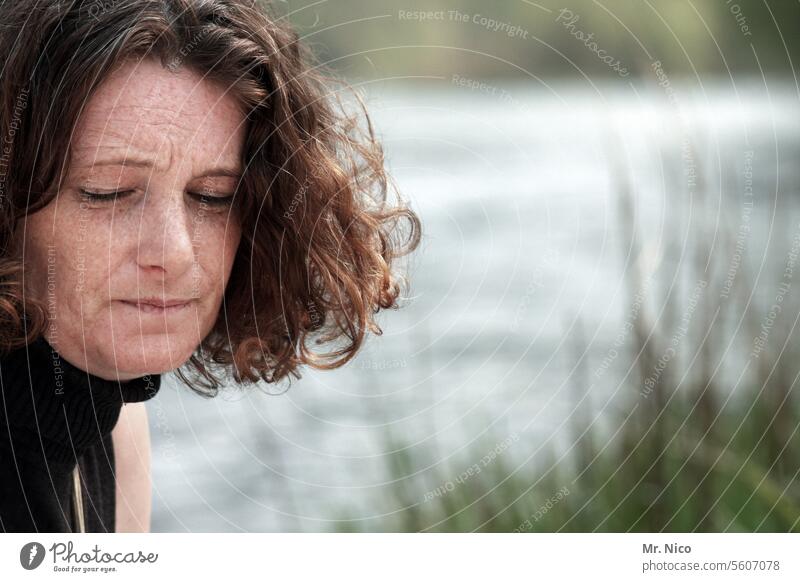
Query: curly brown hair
(318, 235)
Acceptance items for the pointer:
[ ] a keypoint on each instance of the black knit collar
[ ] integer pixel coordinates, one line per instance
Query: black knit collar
(48, 405)
(104, 391)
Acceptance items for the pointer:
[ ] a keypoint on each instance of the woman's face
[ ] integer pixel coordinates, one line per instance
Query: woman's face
(169, 143)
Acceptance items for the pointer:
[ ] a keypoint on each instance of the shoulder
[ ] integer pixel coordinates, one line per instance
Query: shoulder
(131, 438)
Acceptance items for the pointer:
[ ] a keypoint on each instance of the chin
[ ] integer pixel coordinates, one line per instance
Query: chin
(139, 355)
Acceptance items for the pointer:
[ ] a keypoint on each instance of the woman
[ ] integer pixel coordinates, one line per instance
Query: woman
(180, 190)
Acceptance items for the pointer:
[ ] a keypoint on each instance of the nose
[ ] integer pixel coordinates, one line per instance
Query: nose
(165, 243)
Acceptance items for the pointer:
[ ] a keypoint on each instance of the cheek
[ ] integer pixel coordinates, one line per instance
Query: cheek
(67, 269)
(231, 246)
(230, 236)
(58, 253)
(84, 247)
(220, 242)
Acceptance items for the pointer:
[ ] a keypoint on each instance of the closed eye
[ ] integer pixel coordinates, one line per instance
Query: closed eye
(212, 200)
(105, 196)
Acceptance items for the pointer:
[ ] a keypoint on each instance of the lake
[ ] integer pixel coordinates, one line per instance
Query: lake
(520, 273)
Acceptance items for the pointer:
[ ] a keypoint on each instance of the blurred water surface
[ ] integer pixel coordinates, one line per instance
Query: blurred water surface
(518, 189)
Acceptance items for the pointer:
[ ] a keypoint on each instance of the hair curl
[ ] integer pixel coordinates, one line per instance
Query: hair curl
(318, 235)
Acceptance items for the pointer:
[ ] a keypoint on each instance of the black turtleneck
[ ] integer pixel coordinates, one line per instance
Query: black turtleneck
(53, 416)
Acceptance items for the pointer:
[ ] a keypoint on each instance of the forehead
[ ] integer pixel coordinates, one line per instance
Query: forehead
(142, 104)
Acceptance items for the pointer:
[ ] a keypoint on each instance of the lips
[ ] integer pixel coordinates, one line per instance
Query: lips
(155, 302)
(158, 306)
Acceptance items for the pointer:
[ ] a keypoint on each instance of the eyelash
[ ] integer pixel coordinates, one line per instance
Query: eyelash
(110, 196)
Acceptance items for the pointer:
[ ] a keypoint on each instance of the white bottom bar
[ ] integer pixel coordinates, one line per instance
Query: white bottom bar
(403, 557)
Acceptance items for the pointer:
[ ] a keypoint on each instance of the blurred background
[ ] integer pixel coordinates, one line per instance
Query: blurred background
(601, 328)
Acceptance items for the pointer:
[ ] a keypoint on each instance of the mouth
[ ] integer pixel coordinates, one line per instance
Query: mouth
(158, 307)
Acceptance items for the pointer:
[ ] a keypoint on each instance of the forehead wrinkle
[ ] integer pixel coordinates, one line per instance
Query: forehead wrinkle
(141, 127)
(100, 154)
(220, 166)
(132, 134)
(142, 116)
(140, 142)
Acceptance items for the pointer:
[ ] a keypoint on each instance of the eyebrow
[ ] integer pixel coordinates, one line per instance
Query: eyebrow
(145, 163)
